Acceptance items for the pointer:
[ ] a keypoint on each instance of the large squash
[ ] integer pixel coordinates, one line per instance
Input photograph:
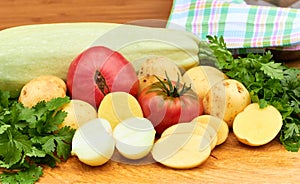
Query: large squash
(47, 49)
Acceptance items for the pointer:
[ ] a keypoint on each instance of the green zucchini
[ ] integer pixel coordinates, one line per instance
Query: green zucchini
(48, 49)
(206, 55)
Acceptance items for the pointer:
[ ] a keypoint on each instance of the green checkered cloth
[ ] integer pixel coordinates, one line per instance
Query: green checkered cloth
(242, 26)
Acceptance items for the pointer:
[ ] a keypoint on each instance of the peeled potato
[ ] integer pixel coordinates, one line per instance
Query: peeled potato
(193, 128)
(43, 88)
(79, 112)
(226, 99)
(134, 137)
(255, 126)
(118, 106)
(202, 78)
(181, 151)
(93, 142)
(159, 66)
(218, 124)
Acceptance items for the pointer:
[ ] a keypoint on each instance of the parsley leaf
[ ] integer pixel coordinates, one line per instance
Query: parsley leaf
(272, 69)
(30, 175)
(31, 136)
(268, 82)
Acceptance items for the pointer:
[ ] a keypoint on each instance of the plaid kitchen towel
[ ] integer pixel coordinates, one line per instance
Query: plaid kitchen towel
(242, 26)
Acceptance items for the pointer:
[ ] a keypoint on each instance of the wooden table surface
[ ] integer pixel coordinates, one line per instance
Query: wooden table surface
(15, 13)
(231, 162)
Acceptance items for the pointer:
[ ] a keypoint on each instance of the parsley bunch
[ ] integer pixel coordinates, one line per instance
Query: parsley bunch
(268, 83)
(30, 137)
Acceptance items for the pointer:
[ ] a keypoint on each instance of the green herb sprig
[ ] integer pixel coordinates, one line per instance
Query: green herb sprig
(268, 83)
(30, 137)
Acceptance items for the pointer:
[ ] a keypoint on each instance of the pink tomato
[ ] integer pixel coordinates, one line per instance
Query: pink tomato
(98, 71)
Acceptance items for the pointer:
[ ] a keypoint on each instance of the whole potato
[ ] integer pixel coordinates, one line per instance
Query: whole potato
(226, 99)
(202, 78)
(43, 88)
(160, 66)
(146, 81)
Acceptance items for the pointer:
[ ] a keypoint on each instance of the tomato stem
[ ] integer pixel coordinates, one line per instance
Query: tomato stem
(172, 90)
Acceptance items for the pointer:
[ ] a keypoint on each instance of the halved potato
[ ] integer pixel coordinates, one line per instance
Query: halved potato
(218, 124)
(181, 151)
(193, 128)
(255, 126)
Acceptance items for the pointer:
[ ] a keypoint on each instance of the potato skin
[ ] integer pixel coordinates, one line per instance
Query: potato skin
(146, 81)
(42, 88)
(226, 99)
(202, 78)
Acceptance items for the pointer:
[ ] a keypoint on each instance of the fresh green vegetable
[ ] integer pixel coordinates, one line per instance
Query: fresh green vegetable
(205, 54)
(30, 137)
(268, 83)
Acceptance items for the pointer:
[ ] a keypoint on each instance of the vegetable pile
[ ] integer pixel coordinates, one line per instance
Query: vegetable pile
(269, 83)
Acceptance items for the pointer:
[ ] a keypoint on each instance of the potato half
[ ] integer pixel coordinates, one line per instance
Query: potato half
(218, 124)
(193, 128)
(255, 126)
(181, 151)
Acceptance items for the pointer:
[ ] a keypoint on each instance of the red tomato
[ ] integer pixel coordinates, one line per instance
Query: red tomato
(165, 109)
(98, 71)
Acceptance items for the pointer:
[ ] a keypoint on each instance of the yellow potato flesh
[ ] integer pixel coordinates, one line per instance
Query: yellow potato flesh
(118, 106)
(193, 128)
(218, 124)
(181, 151)
(255, 126)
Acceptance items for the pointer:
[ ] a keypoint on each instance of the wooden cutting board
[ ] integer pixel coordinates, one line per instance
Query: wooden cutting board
(231, 162)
